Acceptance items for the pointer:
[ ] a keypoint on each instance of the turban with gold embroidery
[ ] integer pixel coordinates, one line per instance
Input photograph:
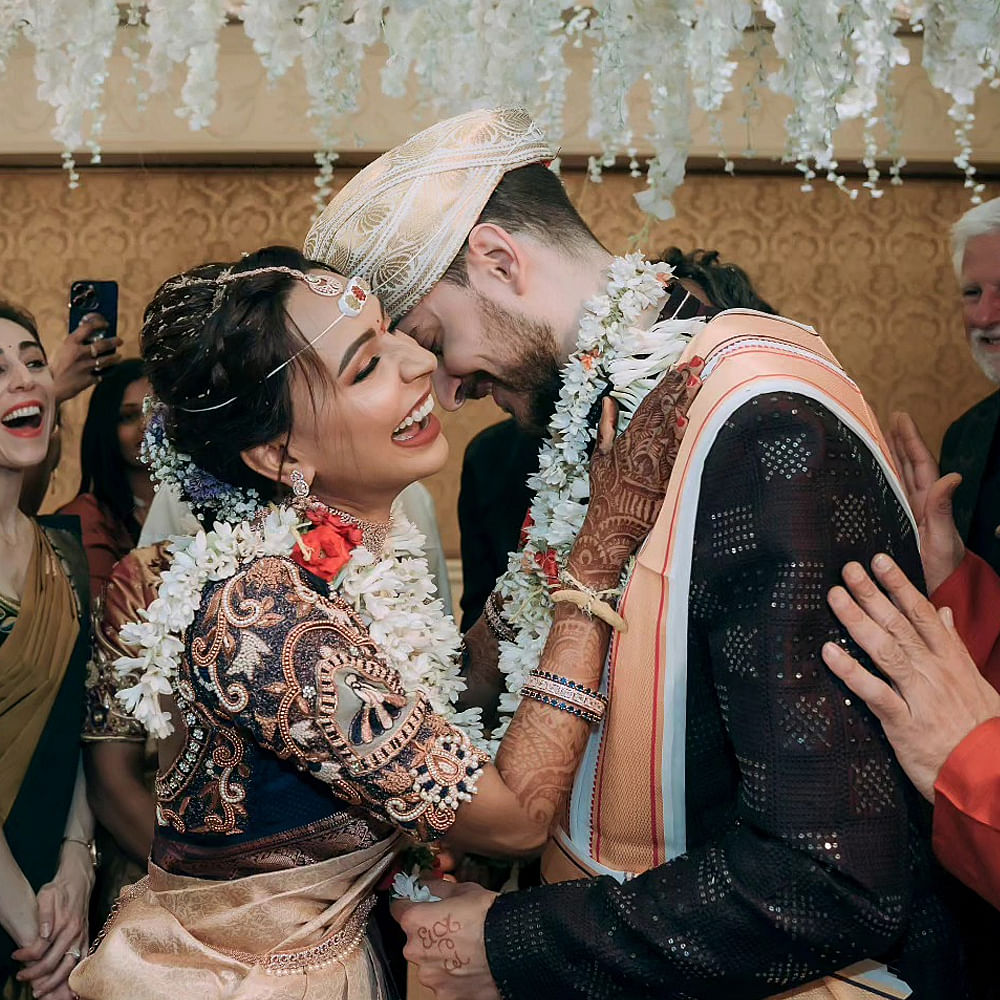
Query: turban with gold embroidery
(402, 220)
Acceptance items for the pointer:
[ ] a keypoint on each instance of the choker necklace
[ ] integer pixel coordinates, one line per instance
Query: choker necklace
(373, 533)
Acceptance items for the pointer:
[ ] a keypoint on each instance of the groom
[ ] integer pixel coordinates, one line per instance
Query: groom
(743, 822)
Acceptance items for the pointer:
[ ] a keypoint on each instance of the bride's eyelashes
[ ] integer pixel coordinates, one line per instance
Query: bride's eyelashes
(367, 370)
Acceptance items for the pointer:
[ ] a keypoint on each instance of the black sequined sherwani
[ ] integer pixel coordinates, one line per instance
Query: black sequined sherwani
(807, 848)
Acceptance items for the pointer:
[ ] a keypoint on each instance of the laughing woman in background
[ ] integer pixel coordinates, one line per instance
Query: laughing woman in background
(46, 869)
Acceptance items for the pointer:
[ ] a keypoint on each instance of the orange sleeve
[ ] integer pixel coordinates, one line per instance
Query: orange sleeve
(967, 811)
(973, 594)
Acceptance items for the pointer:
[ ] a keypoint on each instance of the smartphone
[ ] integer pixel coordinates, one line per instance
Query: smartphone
(88, 296)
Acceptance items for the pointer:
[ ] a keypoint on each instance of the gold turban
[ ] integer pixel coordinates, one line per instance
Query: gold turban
(402, 220)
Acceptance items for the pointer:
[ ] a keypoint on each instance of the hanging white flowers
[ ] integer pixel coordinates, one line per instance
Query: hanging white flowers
(653, 63)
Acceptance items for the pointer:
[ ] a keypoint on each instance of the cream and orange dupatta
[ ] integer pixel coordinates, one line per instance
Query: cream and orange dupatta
(627, 808)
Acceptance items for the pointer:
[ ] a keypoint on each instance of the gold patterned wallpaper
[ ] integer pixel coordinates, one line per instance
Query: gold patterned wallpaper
(873, 277)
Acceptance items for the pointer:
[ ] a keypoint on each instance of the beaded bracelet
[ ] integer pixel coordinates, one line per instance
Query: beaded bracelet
(566, 695)
(493, 610)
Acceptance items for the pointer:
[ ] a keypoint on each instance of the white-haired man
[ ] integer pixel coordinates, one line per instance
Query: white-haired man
(972, 443)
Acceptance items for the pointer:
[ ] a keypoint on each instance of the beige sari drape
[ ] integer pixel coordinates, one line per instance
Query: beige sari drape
(298, 934)
(33, 661)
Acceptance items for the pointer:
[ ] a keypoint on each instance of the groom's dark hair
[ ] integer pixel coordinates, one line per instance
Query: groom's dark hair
(530, 200)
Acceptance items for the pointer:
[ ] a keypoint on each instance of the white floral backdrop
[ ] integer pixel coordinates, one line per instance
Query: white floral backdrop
(836, 62)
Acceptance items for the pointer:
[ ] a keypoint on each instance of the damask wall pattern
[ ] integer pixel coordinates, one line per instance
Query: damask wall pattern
(874, 277)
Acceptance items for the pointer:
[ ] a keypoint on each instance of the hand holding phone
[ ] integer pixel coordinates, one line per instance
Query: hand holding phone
(87, 298)
(92, 345)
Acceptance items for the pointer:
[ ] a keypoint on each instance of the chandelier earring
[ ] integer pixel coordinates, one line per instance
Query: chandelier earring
(300, 488)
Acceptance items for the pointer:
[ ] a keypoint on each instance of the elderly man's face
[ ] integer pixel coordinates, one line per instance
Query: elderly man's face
(981, 301)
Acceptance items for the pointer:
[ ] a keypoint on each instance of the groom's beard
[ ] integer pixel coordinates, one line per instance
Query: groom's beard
(527, 385)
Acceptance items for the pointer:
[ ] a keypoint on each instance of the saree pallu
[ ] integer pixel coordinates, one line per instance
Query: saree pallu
(42, 667)
(297, 934)
(627, 811)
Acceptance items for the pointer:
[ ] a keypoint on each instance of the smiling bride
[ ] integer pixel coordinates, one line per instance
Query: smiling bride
(300, 674)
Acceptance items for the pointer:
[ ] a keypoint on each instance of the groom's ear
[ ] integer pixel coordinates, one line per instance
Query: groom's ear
(495, 256)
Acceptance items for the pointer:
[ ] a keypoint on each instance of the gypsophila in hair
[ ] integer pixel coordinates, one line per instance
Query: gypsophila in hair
(204, 492)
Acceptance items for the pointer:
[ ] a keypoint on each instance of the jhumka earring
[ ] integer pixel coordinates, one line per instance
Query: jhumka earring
(300, 488)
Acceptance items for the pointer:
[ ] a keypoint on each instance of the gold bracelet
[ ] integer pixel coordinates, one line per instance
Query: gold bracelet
(95, 857)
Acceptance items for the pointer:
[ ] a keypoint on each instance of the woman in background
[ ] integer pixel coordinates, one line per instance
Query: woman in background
(115, 489)
(46, 869)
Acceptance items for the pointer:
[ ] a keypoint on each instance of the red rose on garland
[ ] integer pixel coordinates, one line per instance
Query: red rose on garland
(549, 565)
(329, 544)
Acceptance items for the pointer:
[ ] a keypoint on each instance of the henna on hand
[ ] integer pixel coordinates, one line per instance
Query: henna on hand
(440, 937)
(541, 751)
(446, 940)
(629, 476)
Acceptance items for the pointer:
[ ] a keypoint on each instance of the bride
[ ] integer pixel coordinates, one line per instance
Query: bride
(298, 671)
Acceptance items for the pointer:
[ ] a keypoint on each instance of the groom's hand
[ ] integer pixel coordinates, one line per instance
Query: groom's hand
(629, 474)
(446, 941)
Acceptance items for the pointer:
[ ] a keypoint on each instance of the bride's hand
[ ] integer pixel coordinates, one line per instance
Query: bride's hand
(629, 476)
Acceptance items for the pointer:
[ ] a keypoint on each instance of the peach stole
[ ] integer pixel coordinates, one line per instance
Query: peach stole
(627, 808)
(298, 934)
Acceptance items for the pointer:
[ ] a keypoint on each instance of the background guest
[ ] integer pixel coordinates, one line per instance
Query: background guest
(941, 714)
(120, 759)
(115, 489)
(46, 870)
(972, 443)
(77, 364)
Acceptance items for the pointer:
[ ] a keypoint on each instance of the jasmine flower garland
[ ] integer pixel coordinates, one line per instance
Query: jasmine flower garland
(392, 592)
(610, 349)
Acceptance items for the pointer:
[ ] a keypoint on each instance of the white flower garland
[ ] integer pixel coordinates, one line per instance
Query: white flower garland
(393, 593)
(610, 347)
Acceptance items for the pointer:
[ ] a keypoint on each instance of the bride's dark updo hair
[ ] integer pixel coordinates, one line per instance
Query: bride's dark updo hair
(204, 342)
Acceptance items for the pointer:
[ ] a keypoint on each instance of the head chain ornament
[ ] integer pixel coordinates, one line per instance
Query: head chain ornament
(351, 302)
(202, 490)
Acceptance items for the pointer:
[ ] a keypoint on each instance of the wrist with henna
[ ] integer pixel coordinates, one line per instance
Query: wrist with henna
(597, 560)
(628, 480)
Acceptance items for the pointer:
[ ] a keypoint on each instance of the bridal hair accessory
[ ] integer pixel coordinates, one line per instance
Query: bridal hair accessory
(204, 492)
(402, 220)
(351, 302)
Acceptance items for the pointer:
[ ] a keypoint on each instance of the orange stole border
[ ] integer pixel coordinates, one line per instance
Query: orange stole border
(627, 808)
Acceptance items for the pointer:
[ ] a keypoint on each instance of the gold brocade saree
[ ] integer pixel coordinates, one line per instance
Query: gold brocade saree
(298, 934)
